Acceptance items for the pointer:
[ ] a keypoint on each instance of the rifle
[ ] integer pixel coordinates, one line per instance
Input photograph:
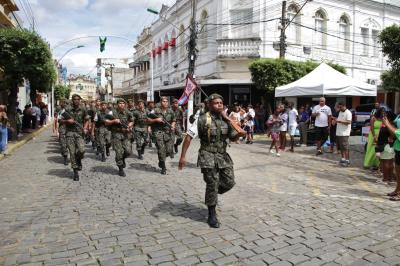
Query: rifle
(154, 116)
(112, 117)
(68, 116)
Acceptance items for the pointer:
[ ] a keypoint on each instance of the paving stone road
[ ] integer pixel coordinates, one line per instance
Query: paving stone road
(295, 210)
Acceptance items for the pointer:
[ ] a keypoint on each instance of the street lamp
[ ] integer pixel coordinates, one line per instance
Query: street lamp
(52, 87)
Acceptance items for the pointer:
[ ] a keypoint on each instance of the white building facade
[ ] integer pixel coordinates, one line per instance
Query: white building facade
(235, 32)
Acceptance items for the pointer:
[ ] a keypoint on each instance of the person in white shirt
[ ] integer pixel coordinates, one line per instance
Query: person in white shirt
(293, 116)
(343, 130)
(323, 115)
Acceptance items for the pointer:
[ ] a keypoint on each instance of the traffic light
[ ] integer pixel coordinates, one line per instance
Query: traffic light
(102, 43)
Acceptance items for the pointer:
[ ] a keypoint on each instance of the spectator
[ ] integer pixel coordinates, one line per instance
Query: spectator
(274, 126)
(248, 127)
(283, 130)
(259, 118)
(3, 129)
(293, 117)
(35, 116)
(322, 114)
(27, 118)
(370, 160)
(44, 112)
(377, 105)
(235, 116)
(303, 125)
(385, 153)
(396, 146)
(343, 129)
(332, 131)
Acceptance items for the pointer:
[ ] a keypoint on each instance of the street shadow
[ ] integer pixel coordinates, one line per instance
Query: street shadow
(53, 150)
(361, 192)
(62, 173)
(105, 169)
(185, 210)
(144, 167)
(56, 159)
(188, 165)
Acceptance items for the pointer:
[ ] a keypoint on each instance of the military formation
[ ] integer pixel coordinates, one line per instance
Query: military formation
(122, 124)
(118, 126)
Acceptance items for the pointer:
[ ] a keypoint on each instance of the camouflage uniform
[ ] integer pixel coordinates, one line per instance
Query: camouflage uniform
(163, 134)
(120, 141)
(215, 163)
(178, 128)
(61, 135)
(74, 135)
(102, 133)
(140, 128)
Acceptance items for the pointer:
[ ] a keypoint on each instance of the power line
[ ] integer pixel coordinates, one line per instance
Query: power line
(28, 18)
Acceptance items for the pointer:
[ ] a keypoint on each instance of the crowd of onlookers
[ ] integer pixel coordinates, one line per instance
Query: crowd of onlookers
(31, 118)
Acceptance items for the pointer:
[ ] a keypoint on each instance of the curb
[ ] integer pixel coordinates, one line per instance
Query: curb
(15, 146)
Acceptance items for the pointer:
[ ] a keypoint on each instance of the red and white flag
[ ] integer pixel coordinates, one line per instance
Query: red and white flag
(190, 87)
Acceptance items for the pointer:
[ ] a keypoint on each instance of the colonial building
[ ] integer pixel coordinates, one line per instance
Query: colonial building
(83, 86)
(235, 32)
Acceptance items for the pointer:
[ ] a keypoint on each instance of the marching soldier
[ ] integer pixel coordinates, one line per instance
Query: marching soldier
(76, 122)
(140, 126)
(163, 128)
(60, 129)
(121, 123)
(92, 112)
(102, 134)
(179, 124)
(216, 164)
(150, 109)
(131, 105)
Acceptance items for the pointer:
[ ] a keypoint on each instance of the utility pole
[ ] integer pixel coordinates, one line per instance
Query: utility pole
(282, 43)
(192, 54)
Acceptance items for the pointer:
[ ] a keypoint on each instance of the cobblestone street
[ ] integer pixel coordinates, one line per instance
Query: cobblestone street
(297, 209)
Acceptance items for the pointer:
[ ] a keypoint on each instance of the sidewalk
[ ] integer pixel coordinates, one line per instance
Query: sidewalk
(12, 146)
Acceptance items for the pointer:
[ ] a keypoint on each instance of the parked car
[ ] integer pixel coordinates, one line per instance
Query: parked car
(362, 115)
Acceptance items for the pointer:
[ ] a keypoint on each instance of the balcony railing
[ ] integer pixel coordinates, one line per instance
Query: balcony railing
(248, 47)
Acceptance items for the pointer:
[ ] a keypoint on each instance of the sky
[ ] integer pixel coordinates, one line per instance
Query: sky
(61, 20)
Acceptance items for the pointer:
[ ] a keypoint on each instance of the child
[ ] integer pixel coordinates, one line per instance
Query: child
(248, 127)
(274, 125)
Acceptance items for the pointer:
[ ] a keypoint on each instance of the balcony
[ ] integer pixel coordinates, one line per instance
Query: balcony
(246, 47)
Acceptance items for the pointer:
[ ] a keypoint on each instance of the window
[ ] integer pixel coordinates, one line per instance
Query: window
(344, 34)
(239, 17)
(166, 51)
(365, 40)
(203, 34)
(182, 47)
(375, 42)
(320, 28)
(293, 31)
(173, 48)
(159, 56)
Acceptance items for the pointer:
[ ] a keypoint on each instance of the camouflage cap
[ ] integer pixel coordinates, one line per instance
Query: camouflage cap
(175, 100)
(215, 96)
(121, 100)
(162, 98)
(76, 95)
(140, 101)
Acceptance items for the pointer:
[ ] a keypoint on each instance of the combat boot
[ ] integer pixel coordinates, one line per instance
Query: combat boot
(76, 175)
(123, 163)
(212, 217)
(65, 159)
(142, 149)
(163, 167)
(103, 157)
(107, 151)
(121, 171)
(140, 156)
(176, 148)
(79, 163)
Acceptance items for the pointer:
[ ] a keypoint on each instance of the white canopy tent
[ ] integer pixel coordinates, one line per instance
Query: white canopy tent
(326, 81)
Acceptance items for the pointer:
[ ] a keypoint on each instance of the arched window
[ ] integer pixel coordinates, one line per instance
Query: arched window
(182, 47)
(320, 28)
(293, 31)
(344, 33)
(203, 33)
(165, 45)
(173, 47)
(369, 32)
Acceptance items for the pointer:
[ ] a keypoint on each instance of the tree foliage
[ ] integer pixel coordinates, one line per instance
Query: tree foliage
(267, 74)
(389, 38)
(61, 92)
(24, 55)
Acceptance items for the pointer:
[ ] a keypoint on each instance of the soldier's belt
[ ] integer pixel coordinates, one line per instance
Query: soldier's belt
(121, 130)
(213, 149)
